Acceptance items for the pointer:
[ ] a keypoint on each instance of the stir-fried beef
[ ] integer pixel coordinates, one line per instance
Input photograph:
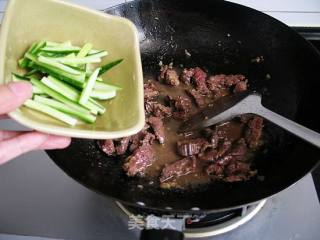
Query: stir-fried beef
(199, 79)
(137, 163)
(222, 81)
(157, 125)
(182, 107)
(189, 147)
(186, 75)
(172, 77)
(198, 97)
(182, 167)
(163, 70)
(240, 87)
(141, 139)
(210, 154)
(107, 146)
(222, 152)
(254, 131)
(157, 109)
(150, 90)
(122, 145)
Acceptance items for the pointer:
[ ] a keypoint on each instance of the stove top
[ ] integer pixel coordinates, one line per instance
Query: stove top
(41, 201)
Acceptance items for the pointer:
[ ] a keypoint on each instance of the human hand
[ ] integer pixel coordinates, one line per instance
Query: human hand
(15, 143)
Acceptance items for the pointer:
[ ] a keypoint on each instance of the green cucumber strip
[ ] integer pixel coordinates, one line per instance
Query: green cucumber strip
(55, 64)
(108, 66)
(93, 51)
(37, 48)
(51, 112)
(77, 80)
(33, 71)
(89, 68)
(72, 82)
(65, 108)
(62, 88)
(88, 87)
(61, 49)
(69, 92)
(54, 44)
(84, 50)
(94, 107)
(58, 96)
(98, 54)
(103, 95)
(16, 77)
(36, 90)
(105, 86)
(23, 62)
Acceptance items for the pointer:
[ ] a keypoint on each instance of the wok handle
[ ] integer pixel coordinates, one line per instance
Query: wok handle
(161, 234)
(291, 126)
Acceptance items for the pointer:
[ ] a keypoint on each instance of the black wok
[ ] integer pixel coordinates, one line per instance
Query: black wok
(222, 37)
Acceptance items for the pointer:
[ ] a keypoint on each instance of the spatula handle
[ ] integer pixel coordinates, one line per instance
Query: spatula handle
(293, 127)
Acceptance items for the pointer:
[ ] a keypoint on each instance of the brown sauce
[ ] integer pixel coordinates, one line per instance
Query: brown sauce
(167, 153)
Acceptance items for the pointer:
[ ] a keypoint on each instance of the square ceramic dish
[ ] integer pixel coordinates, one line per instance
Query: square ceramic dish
(27, 21)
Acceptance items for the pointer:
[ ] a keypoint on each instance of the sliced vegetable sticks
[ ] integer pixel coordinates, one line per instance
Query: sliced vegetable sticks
(66, 80)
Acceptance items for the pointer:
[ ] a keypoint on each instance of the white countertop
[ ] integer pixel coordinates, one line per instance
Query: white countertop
(291, 12)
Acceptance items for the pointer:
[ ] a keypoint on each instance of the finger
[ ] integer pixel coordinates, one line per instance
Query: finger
(4, 134)
(4, 116)
(13, 95)
(26, 142)
(55, 142)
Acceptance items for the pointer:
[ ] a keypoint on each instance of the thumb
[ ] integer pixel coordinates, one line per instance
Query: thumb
(13, 95)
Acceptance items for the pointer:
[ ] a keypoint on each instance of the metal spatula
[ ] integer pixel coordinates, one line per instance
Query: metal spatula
(241, 103)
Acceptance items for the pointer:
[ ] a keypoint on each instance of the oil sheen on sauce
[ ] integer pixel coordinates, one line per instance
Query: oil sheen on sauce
(167, 153)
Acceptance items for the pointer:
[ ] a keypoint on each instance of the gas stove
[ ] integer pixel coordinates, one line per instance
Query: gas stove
(41, 201)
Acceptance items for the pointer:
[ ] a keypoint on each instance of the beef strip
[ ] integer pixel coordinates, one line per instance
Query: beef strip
(211, 154)
(182, 107)
(157, 109)
(199, 79)
(237, 152)
(240, 87)
(198, 97)
(107, 146)
(163, 70)
(148, 106)
(150, 90)
(244, 118)
(169, 75)
(137, 163)
(215, 169)
(238, 171)
(172, 77)
(156, 124)
(222, 81)
(254, 131)
(122, 145)
(140, 139)
(231, 167)
(180, 168)
(186, 75)
(189, 147)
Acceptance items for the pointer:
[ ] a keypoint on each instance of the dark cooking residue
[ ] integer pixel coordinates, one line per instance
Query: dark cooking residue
(223, 152)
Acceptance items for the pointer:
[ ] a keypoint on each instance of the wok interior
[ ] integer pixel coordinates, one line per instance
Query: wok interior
(224, 38)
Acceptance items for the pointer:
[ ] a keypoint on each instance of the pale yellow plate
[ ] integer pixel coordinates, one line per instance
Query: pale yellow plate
(27, 21)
